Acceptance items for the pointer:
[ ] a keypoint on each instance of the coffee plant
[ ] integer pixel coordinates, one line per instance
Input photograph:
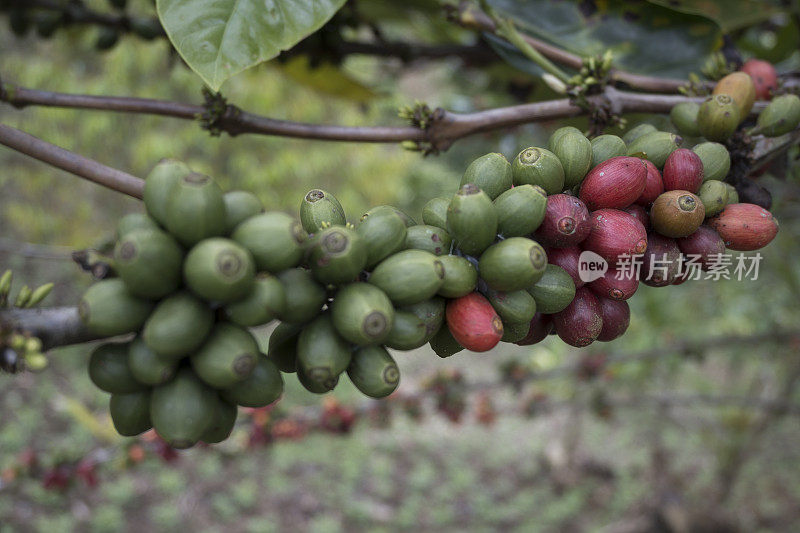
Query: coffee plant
(504, 259)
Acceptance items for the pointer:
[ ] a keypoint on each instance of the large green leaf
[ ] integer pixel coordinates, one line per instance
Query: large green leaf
(645, 38)
(220, 38)
(729, 14)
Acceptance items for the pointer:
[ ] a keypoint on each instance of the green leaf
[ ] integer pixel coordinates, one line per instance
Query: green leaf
(730, 15)
(645, 38)
(220, 38)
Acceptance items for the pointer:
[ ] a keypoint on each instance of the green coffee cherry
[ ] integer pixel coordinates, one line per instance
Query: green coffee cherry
(435, 212)
(337, 255)
(195, 209)
(460, 277)
(409, 277)
(714, 195)
(275, 239)
(321, 209)
(684, 117)
(362, 314)
(444, 344)
(383, 233)
(491, 173)
(149, 262)
(512, 306)
(263, 386)
(471, 220)
(560, 132)
(716, 160)
(304, 296)
(656, 146)
(514, 332)
(733, 194)
(180, 409)
(109, 370)
(431, 312)
(228, 356)
(554, 291)
(135, 221)
(781, 116)
(575, 153)
(429, 238)
(408, 332)
(718, 117)
(283, 346)
(224, 418)
(147, 366)
(407, 219)
(108, 309)
(638, 131)
(512, 264)
(159, 185)
(239, 206)
(178, 325)
(604, 147)
(219, 270)
(321, 354)
(537, 166)
(130, 413)
(265, 302)
(374, 372)
(521, 210)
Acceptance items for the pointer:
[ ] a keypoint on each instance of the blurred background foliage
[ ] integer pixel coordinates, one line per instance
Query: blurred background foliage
(433, 475)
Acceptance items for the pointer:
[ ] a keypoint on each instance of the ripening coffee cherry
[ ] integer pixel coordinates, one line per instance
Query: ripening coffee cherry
(745, 227)
(107, 308)
(474, 323)
(615, 183)
(336, 255)
(639, 213)
(320, 209)
(471, 220)
(263, 386)
(683, 171)
(616, 317)
(491, 173)
(661, 261)
(195, 209)
(149, 262)
(616, 284)
(512, 264)
(322, 354)
(615, 235)
(604, 147)
(705, 243)
(740, 87)
(223, 419)
(537, 166)
(520, 211)
(554, 291)
(274, 239)
(566, 222)
(109, 370)
(180, 409)
(409, 277)
(656, 146)
(581, 322)
(654, 185)
(227, 356)
(178, 325)
(718, 117)
(538, 329)
(764, 76)
(677, 213)
(373, 371)
(567, 258)
(219, 270)
(362, 314)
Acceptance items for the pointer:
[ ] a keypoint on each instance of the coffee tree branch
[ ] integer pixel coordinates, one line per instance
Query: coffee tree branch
(445, 128)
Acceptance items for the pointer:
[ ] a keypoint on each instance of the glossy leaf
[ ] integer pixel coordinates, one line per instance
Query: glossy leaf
(728, 14)
(220, 38)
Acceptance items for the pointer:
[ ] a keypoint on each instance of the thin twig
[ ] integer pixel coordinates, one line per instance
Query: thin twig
(71, 162)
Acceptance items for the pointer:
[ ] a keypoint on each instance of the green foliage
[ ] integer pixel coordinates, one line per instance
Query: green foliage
(219, 39)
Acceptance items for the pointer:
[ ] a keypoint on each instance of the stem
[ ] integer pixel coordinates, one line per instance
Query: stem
(71, 162)
(54, 326)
